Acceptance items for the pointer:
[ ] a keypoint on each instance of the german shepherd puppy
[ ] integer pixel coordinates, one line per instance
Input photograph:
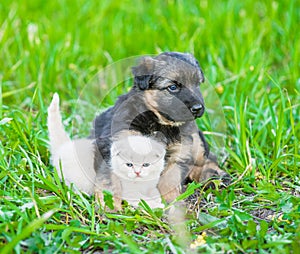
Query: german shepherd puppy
(164, 102)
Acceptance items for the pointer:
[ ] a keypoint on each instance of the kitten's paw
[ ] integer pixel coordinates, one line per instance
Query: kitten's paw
(155, 204)
(117, 202)
(99, 197)
(176, 213)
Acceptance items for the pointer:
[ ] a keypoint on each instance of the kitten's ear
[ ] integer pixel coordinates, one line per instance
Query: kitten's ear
(114, 151)
(160, 154)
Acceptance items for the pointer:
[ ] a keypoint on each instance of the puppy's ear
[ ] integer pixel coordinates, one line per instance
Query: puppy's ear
(160, 137)
(143, 82)
(143, 73)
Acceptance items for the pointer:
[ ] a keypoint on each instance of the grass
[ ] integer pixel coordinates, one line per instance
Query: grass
(250, 53)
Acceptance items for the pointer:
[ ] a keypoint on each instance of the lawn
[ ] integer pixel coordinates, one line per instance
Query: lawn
(250, 54)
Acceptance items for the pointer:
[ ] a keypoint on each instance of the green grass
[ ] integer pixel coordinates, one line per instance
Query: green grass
(250, 53)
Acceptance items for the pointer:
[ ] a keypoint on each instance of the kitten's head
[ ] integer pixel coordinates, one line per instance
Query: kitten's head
(137, 158)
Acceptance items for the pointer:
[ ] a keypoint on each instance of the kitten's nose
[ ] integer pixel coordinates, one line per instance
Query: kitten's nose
(137, 171)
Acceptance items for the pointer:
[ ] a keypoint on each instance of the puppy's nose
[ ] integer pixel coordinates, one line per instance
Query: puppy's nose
(197, 110)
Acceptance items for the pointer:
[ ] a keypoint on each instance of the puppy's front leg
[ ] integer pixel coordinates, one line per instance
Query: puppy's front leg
(169, 184)
(209, 170)
(205, 163)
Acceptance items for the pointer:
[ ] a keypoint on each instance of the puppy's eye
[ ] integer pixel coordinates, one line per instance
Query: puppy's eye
(130, 165)
(146, 165)
(173, 88)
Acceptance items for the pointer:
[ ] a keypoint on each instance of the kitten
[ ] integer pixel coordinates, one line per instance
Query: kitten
(73, 159)
(138, 162)
(133, 172)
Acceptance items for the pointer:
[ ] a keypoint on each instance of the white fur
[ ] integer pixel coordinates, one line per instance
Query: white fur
(75, 159)
(138, 181)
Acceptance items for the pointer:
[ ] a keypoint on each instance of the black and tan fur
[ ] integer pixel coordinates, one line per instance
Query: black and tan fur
(164, 101)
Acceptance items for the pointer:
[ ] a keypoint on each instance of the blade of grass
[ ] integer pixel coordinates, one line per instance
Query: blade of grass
(31, 227)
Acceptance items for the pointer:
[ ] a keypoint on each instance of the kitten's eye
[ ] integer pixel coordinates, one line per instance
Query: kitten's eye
(146, 165)
(130, 165)
(173, 88)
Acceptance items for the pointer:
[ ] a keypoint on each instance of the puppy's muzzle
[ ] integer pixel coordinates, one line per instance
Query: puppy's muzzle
(197, 110)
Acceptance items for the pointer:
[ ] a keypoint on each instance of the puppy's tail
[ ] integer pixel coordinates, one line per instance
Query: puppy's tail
(57, 133)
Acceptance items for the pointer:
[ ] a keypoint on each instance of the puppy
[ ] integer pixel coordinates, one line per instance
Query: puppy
(165, 99)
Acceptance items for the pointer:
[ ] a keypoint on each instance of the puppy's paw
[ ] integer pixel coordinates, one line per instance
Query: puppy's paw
(171, 195)
(215, 174)
(209, 171)
(155, 203)
(225, 178)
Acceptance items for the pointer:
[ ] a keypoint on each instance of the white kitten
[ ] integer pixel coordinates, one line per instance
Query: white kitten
(138, 162)
(74, 158)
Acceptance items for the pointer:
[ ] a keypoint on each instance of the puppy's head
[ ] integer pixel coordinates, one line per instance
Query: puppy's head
(170, 82)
